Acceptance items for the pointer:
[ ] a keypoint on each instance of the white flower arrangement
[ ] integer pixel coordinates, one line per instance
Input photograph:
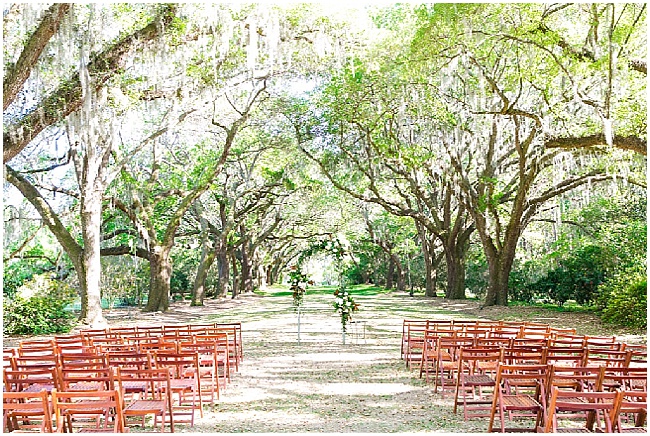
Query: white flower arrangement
(345, 305)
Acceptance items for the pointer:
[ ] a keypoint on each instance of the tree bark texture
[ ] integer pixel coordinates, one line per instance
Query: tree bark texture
(223, 266)
(427, 253)
(390, 272)
(236, 278)
(198, 290)
(91, 219)
(160, 272)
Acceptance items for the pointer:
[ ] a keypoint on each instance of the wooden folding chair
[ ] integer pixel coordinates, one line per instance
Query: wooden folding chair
(563, 330)
(34, 343)
(429, 355)
(158, 346)
(569, 405)
(82, 360)
(413, 340)
(34, 362)
(233, 341)
(605, 357)
(30, 379)
(493, 341)
(475, 382)
(602, 342)
(26, 410)
(88, 411)
(226, 357)
(237, 331)
(633, 409)
(520, 391)
(155, 399)
(130, 361)
(447, 361)
(565, 356)
(185, 380)
(629, 379)
(210, 357)
(95, 378)
(524, 355)
(576, 378)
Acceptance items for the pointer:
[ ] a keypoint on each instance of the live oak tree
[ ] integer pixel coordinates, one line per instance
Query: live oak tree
(90, 148)
(373, 152)
(504, 109)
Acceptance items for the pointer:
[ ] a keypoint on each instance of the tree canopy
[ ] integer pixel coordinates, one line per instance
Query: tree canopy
(219, 142)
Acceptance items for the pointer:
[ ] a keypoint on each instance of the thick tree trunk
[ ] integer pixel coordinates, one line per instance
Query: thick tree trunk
(236, 278)
(262, 279)
(497, 292)
(198, 290)
(400, 273)
(246, 270)
(269, 275)
(223, 267)
(75, 252)
(91, 218)
(390, 273)
(455, 274)
(160, 273)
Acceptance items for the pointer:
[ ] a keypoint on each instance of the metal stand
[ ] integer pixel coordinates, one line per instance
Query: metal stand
(298, 325)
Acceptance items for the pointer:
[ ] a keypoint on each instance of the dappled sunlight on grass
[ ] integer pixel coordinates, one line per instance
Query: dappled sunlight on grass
(366, 359)
(362, 388)
(241, 420)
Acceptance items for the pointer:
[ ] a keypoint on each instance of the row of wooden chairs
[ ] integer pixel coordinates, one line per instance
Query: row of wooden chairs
(477, 373)
(213, 352)
(94, 411)
(558, 405)
(113, 359)
(90, 373)
(441, 353)
(507, 334)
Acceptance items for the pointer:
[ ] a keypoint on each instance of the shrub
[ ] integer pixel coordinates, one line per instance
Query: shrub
(628, 306)
(39, 308)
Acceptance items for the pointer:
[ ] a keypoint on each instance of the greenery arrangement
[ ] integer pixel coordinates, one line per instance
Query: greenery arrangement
(345, 305)
(299, 282)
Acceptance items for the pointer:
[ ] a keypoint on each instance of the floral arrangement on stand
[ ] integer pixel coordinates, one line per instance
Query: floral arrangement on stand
(345, 305)
(298, 287)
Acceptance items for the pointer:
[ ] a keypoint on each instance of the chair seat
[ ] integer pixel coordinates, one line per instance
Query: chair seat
(27, 411)
(144, 407)
(37, 387)
(519, 402)
(183, 383)
(133, 386)
(87, 386)
(478, 380)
